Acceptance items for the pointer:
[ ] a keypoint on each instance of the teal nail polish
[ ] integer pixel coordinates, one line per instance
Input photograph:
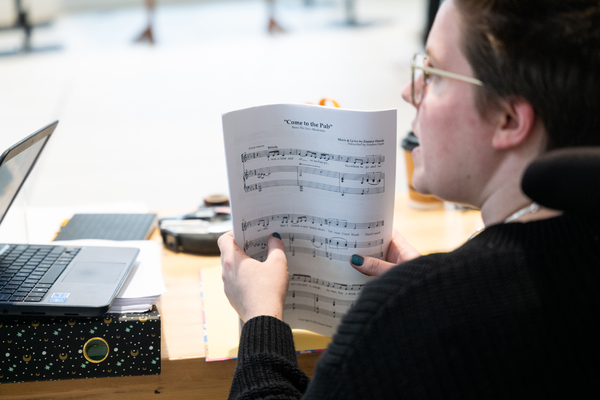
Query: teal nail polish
(277, 235)
(357, 260)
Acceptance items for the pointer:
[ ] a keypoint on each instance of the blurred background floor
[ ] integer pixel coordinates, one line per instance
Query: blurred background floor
(141, 122)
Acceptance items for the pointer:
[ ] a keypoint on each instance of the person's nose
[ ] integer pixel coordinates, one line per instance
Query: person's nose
(407, 93)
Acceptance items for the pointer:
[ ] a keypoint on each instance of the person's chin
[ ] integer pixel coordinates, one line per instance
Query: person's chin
(419, 183)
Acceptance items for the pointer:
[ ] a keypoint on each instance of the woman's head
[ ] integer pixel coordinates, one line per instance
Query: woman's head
(546, 52)
(538, 61)
(454, 159)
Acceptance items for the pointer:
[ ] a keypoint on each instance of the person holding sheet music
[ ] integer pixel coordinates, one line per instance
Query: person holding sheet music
(511, 313)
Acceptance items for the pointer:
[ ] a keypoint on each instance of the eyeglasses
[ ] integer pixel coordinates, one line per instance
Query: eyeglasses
(418, 63)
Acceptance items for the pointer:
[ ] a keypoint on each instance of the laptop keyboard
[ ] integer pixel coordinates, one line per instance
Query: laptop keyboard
(27, 272)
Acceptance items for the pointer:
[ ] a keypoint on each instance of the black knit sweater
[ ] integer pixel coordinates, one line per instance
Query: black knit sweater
(513, 313)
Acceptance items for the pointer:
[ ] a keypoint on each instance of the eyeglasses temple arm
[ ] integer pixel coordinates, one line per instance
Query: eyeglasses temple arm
(450, 75)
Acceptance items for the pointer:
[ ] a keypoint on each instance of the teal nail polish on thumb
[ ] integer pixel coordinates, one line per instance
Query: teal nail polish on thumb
(357, 260)
(277, 235)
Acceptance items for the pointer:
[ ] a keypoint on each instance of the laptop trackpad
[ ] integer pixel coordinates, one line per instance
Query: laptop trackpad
(94, 272)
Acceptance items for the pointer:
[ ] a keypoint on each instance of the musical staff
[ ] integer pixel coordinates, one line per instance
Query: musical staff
(261, 255)
(295, 219)
(316, 241)
(367, 160)
(306, 176)
(317, 303)
(326, 312)
(298, 294)
(314, 185)
(324, 283)
(370, 178)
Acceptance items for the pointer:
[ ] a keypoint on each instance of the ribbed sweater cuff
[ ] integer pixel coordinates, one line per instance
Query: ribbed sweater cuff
(267, 335)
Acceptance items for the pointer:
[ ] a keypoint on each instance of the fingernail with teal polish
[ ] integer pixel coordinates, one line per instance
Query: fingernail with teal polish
(357, 260)
(277, 235)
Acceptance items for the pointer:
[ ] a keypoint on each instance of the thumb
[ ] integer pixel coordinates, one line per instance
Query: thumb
(276, 247)
(370, 266)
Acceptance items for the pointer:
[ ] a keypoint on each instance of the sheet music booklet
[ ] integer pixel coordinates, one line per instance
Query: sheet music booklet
(324, 179)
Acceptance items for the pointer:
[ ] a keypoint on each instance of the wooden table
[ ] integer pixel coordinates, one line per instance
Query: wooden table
(184, 373)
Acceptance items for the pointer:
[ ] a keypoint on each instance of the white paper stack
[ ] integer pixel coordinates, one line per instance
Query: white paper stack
(145, 282)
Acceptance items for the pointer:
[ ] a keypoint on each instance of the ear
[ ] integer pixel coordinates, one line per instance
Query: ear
(516, 120)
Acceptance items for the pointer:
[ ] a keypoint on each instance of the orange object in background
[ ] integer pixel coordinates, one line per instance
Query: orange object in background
(324, 100)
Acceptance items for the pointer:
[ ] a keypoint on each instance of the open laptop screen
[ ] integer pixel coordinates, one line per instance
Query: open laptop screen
(17, 162)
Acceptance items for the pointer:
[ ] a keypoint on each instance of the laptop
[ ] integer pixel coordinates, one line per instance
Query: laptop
(62, 280)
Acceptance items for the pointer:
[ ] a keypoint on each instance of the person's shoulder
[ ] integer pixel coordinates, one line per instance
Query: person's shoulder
(408, 284)
(488, 261)
(502, 260)
(420, 271)
(396, 303)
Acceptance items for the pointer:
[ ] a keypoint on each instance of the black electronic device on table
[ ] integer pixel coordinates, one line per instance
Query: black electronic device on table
(130, 226)
(197, 232)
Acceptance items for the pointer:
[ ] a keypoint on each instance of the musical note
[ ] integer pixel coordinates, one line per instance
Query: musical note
(315, 242)
(338, 243)
(299, 277)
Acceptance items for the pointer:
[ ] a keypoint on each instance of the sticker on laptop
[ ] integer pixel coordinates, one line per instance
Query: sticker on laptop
(58, 298)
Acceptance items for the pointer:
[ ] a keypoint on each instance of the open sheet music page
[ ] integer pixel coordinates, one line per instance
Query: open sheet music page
(324, 179)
